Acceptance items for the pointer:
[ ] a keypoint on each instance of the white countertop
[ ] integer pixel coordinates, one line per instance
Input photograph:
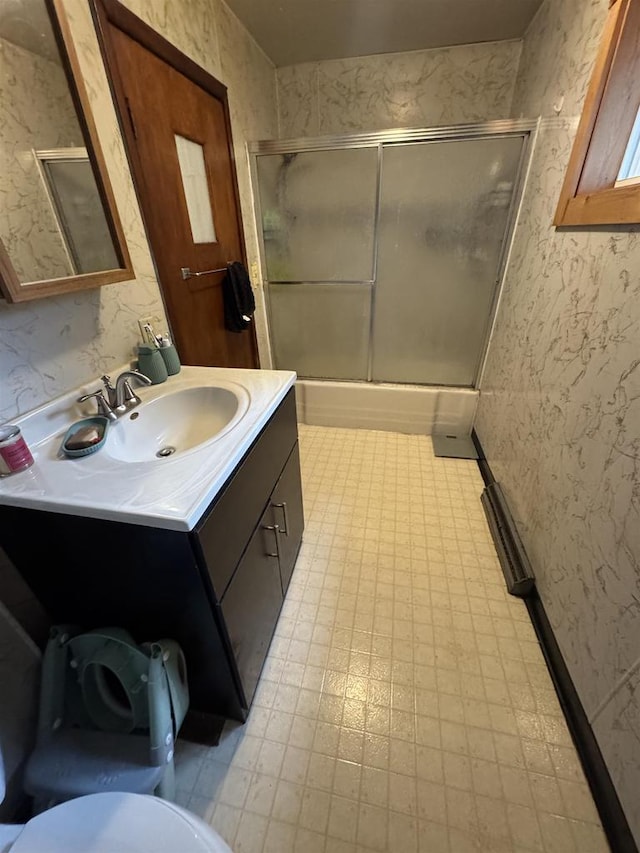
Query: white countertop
(170, 493)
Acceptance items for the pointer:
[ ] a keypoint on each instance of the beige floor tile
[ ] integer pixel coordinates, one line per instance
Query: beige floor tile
(251, 833)
(280, 838)
(261, 794)
(405, 705)
(288, 802)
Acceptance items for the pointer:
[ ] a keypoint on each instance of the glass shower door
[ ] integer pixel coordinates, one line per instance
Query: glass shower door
(444, 215)
(318, 226)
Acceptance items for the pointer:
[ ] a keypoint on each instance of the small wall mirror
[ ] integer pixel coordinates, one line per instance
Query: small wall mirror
(59, 228)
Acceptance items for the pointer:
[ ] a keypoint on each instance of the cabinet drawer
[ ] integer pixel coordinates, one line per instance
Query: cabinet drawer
(225, 528)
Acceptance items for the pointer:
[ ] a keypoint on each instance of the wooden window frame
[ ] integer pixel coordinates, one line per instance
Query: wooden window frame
(589, 195)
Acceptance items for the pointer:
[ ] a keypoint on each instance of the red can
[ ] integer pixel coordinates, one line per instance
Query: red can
(14, 454)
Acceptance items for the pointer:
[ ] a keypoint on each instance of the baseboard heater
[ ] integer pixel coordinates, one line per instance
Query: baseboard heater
(513, 558)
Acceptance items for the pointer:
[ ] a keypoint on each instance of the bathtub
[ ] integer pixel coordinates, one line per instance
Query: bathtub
(397, 408)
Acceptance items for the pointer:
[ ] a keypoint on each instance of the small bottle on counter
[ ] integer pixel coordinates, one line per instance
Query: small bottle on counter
(14, 454)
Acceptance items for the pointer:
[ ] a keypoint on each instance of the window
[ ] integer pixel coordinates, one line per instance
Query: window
(602, 184)
(196, 189)
(630, 169)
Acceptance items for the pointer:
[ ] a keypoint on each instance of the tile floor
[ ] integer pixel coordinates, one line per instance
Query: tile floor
(405, 705)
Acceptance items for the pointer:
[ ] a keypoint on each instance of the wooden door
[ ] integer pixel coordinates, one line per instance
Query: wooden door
(192, 221)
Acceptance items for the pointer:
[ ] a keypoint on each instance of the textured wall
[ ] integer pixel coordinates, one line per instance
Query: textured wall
(424, 87)
(51, 345)
(36, 111)
(559, 413)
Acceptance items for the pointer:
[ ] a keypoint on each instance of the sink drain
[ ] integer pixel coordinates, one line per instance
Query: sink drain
(166, 451)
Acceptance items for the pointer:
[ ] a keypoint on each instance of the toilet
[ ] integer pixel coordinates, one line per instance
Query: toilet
(104, 823)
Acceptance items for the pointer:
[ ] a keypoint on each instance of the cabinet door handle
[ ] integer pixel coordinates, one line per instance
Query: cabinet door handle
(283, 507)
(276, 531)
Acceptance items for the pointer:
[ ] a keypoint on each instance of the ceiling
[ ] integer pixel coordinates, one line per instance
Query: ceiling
(292, 31)
(26, 24)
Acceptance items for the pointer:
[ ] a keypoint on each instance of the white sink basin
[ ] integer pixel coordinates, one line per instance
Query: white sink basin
(210, 415)
(174, 423)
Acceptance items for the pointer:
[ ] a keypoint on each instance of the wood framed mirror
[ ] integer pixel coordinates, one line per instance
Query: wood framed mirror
(59, 227)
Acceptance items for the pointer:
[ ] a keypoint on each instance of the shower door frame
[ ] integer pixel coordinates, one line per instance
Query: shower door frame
(525, 128)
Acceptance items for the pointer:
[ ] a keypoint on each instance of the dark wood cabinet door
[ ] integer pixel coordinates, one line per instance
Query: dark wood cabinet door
(222, 533)
(287, 513)
(252, 603)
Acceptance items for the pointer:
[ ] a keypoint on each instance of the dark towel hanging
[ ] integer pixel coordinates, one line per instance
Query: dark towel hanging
(239, 303)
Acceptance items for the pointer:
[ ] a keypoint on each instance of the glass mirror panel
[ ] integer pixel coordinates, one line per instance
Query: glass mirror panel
(69, 180)
(52, 219)
(318, 214)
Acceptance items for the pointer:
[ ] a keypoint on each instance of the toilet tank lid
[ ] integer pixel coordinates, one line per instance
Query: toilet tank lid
(102, 823)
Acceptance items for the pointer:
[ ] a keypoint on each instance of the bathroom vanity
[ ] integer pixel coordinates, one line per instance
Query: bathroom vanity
(199, 546)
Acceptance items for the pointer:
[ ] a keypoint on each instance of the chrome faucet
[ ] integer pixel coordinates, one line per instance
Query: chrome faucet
(122, 397)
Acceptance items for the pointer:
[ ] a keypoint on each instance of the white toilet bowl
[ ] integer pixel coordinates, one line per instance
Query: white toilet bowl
(113, 823)
(110, 823)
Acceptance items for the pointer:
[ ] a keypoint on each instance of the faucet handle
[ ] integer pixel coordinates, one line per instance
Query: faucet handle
(103, 406)
(110, 389)
(129, 396)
